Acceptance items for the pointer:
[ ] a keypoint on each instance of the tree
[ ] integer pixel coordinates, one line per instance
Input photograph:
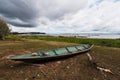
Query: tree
(4, 29)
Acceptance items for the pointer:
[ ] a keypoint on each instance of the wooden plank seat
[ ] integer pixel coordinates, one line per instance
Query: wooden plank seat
(86, 46)
(80, 48)
(52, 53)
(61, 51)
(72, 49)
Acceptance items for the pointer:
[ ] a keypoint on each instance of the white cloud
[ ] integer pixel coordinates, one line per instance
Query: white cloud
(65, 16)
(102, 18)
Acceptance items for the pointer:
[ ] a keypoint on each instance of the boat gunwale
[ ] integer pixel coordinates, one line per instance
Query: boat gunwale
(47, 57)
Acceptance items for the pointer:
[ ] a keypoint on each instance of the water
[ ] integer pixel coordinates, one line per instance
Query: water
(81, 35)
(92, 35)
(106, 36)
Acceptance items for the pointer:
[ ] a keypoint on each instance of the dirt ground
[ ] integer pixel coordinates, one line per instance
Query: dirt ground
(73, 68)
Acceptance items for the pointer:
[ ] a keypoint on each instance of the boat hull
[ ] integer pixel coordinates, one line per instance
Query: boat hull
(55, 57)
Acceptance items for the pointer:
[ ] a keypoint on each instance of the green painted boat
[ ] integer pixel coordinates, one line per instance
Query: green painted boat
(52, 54)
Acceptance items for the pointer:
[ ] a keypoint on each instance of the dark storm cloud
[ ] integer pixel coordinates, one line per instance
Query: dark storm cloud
(18, 9)
(21, 25)
(29, 12)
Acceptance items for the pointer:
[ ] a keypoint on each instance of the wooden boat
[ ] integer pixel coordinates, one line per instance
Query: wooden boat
(52, 54)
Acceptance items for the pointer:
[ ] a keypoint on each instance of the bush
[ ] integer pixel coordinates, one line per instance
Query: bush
(4, 29)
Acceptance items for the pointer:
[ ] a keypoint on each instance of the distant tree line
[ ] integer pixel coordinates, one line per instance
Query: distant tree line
(4, 29)
(17, 33)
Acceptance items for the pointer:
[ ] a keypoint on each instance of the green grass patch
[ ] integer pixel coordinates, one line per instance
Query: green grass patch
(101, 42)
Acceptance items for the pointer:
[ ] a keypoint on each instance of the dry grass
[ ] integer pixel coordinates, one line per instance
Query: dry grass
(74, 68)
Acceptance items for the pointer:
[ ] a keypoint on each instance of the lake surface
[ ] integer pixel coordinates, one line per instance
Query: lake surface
(91, 35)
(105, 36)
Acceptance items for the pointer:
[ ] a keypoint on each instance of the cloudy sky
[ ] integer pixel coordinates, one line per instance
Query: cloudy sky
(61, 16)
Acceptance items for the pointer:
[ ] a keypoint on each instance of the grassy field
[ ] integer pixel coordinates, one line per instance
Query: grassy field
(101, 42)
(74, 68)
